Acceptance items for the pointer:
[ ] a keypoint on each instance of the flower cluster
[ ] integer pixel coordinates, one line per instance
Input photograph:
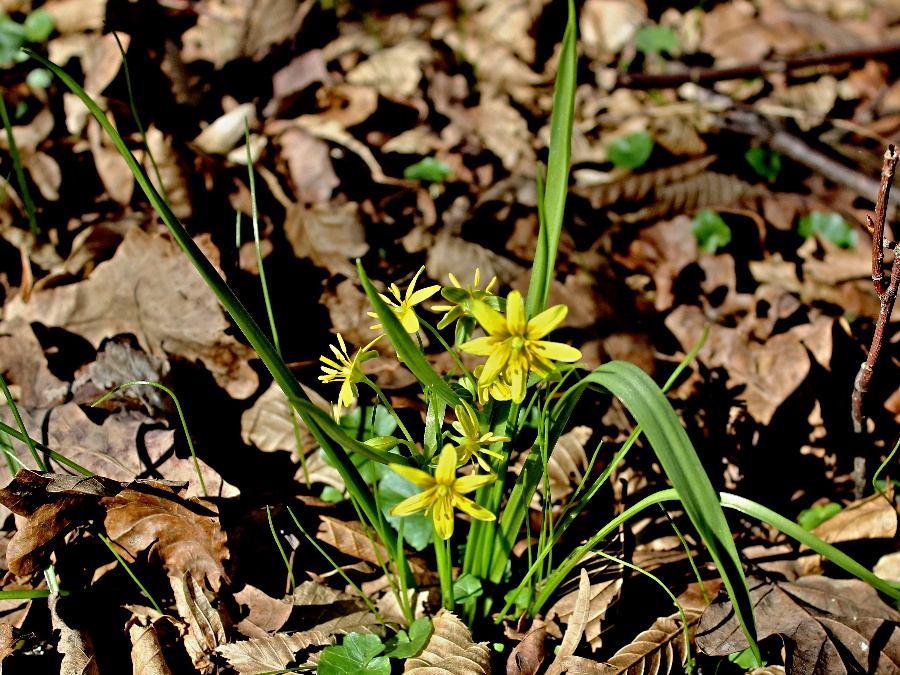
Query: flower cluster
(515, 349)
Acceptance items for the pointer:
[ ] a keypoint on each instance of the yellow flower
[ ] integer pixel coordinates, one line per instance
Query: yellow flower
(442, 493)
(514, 347)
(346, 370)
(471, 443)
(462, 298)
(403, 308)
(497, 389)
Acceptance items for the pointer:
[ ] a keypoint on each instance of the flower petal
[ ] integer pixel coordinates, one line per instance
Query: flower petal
(473, 509)
(490, 319)
(414, 504)
(466, 484)
(515, 313)
(483, 346)
(415, 476)
(445, 472)
(557, 351)
(412, 284)
(518, 379)
(409, 320)
(546, 321)
(442, 517)
(422, 294)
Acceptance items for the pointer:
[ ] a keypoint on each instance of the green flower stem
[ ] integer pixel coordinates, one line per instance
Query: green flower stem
(445, 571)
(339, 458)
(387, 404)
(452, 352)
(20, 172)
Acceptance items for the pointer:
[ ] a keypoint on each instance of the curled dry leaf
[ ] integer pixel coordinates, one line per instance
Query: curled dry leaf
(659, 649)
(527, 656)
(828, 625)
(150, 289)
(870, 518)
(147, 657)
(185, 533)
(330, 235)
(75, 645)
(450, 650)
(578, 620)
(220, 137)
(394, 71)
(270, 653)
(118, 362)
(265, 614)
(602, 595)
(205, 628)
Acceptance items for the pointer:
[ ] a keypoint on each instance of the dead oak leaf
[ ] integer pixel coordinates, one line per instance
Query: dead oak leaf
(150, 289)
(828, 625)
(25, 364)
(185, 533)
(395, 72)
(328, 234)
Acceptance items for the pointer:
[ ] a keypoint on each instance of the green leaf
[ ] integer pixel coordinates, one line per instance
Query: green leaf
(417, 528)
(631, 151)
(332, 495)
(765, 161)
(357, 655)
(39, 78)
(466, 587)
(552, 196)
(12, 37)
(428, 169)
(656, 39)
(38, 26)
(711, 231)
(406, 644)
(828, 225)
(814, 516)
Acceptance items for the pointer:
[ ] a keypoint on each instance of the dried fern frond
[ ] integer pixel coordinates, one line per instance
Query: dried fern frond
(636, 186)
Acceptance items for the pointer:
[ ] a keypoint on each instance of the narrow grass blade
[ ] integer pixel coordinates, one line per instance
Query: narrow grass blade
(15, 411)
(407, 350)
(557, 184)
(20, 172)
(62, 459)
(129, 571)
(356, 486)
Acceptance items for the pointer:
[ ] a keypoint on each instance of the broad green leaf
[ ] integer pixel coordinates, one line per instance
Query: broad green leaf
(828, 225)
(408, 643)
(814, 516)
(12, 37)
(407, 351)
(466, 587)
(358, 654)
(765, 161)
(631, 151)
(38, 26)
(711, 231)
(428, 169)
(656, 39)
(417, 529)
(552, 197)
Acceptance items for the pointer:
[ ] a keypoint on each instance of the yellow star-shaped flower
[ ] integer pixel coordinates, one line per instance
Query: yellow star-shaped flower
(442, 493)
(403, 307)
(514, 347)
(462, 298)
(471, 443)
(346, 370)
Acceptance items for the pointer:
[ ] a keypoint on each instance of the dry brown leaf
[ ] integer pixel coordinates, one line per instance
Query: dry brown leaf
(603, 594)
(171, 171)
(351, 538)
(150, 289)
(223, 134)
(505, 133)
(309, 166)
(828, 625)
(362, 621)
(606, 26)
(265, 614)
(9, 636)
(659, 649)
(451, 254)
(394, 71)
(578, 620)
(147, 657)
(118, 362)
(74, 16)
(528, 655)
(733, 35)
(888, 567)
(228, 29)
(25, 365)
(636, 186)
(111, 167)
(302, 71)
(74, 644)
(271, 653)
(678, 135)
(101, 62)
(450, 650)
(45, 173)
(331, 235)
(871, 518)
(185, 533)
(205, 628)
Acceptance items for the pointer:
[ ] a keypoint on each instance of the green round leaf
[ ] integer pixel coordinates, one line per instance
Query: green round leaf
(417, 529)
(765, 161)
(711, 231)
(656, 39)
(12, 38)
(428, 169)
(828, 225)
(38, 26)
(631, 151)
(39, 78)
(814, 516)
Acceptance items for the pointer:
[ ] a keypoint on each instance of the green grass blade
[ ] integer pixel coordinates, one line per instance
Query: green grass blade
(20, 172)
(557, 184)
(795, 531)
(407, 351)
(62, 459)
(356, 486)
(15, 411)
(129, 572)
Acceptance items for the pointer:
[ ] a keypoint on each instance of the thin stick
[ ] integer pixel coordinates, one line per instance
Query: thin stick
(887, 296)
